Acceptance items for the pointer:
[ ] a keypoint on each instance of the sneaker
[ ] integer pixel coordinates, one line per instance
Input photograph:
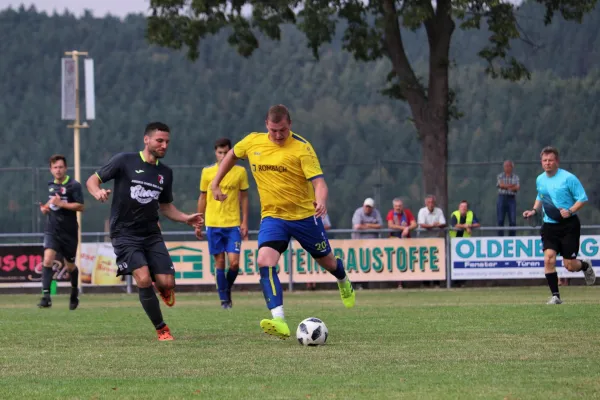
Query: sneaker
(168, 296)
(45, 302)
(73, 303)
(226, 305)
(276, 327)
(554, 300)
(164, 334)
(347, 293)
(589, 274)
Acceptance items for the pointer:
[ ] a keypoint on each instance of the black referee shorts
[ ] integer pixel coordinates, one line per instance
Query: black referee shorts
(562, 237)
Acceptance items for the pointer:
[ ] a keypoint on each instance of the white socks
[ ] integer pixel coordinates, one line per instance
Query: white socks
(277, 312)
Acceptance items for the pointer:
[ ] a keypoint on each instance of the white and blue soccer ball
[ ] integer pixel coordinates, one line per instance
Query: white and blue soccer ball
(312, 332)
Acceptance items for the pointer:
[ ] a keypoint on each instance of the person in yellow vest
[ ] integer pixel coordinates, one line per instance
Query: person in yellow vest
(463, 221)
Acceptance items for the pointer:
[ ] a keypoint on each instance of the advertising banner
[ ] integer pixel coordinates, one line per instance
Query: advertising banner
(98, 265)
(22, 266)
(517, 257)
(366, 260)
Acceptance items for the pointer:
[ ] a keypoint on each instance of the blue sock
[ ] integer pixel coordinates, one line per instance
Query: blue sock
(231, 275)
(271, 287)
(340, 272)
(222, 285)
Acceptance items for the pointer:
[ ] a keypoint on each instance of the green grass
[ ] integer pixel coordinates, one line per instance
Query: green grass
(449, 344)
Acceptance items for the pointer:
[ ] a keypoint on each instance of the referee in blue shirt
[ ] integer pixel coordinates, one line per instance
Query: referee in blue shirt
(561, 196)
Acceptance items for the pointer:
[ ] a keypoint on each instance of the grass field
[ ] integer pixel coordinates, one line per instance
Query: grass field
(500, 343)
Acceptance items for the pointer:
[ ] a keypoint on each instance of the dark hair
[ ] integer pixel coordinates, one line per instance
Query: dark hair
(156, 126)
(278, 113)
(464, 201)
(57, 157)
(549, 150)
(223, 142)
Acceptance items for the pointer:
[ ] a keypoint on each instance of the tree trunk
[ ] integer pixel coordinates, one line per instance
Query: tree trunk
(434, 142)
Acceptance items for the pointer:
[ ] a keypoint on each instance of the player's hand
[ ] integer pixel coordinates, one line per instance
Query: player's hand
(565, 213)
(102, 195)
(528, 213)
(218, 194)
(195, 220)
(320, 208)
(44, 208)
(244, 231)
(56, 200)
(198, 232)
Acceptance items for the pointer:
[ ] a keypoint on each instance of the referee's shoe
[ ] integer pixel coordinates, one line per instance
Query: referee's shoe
(589, 274)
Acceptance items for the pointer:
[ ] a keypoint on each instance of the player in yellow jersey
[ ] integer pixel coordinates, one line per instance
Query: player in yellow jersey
(224, 230)
(293, 197)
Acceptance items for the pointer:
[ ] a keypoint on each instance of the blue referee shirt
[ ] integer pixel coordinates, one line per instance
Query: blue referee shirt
(559, 191)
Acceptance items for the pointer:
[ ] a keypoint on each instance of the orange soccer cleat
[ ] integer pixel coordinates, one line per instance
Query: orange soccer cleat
(164, 334)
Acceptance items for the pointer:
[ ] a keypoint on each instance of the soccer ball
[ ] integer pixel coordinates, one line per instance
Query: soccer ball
(312, 332)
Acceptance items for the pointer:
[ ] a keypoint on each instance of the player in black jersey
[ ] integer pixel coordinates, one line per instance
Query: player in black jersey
(65, 198)
(143, 185)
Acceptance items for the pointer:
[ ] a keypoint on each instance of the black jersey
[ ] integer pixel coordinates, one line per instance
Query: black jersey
(138, 190)
(60, 221)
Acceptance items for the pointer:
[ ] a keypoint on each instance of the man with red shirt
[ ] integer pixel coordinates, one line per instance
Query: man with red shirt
(400, 220)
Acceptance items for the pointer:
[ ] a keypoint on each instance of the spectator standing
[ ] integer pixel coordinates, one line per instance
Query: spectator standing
(401, 220)
(431, 218)
(366, 217)
(508, 185)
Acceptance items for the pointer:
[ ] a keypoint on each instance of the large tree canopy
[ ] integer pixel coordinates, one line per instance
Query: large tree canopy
(371, 30)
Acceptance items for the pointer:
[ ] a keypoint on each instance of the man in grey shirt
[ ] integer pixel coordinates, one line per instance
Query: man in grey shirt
(366, 217)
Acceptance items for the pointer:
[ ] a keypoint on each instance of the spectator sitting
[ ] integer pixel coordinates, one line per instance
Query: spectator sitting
(431, 218)
(366, 217)
(463, 221)
(401, 220)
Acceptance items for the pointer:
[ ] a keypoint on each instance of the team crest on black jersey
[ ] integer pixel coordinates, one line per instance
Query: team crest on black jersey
(161, 179)
(63, 190)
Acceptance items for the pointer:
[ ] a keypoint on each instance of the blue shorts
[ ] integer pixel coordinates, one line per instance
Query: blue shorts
(309, 232)
(223, 240)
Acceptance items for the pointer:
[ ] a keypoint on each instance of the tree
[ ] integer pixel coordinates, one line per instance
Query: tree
(372, 30)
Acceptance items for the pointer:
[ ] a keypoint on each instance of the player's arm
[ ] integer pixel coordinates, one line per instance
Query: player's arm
(578, 193)
(245, 204)
(108, 172)
(536, 209)
(165, 201)
(321, 194)
(57, 201)
(171, 212)
(224, 167)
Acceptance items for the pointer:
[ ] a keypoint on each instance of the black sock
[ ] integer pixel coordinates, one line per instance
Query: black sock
(46, 280)
(151, 306)
(553, 283)
(584, 265)
(74, 282)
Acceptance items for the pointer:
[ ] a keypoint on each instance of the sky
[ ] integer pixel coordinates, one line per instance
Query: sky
(99, 7)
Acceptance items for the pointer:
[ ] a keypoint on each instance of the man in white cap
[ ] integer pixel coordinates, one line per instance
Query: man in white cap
(366, 217)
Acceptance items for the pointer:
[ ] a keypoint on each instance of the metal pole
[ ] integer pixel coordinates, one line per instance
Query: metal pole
(76, 147)
(291, 267)
(448, 261)
(35, 212)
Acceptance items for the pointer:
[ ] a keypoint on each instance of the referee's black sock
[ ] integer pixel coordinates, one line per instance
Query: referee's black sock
(553, 283)
(151, 306)
(584, 265)
(74, 282)
(46, 280)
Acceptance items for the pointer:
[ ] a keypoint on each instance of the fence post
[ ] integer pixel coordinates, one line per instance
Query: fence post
(448, 260)
(291, 267)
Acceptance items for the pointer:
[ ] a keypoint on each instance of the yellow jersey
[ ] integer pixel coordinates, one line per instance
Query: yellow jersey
(282, 174)
(223, 214)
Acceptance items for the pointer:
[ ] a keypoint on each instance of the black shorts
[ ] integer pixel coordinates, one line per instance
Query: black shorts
(562, 237)
(134, 252)
(65, 245)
